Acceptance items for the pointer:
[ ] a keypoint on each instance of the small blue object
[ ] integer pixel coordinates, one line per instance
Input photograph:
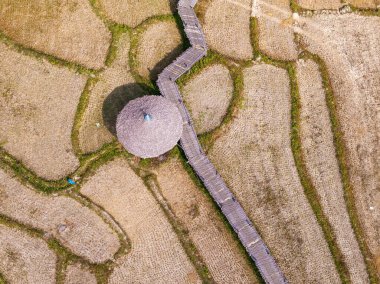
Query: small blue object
(147, 117)
(71, 181)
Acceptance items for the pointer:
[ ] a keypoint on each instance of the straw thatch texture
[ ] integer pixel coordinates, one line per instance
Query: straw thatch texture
(152, 138)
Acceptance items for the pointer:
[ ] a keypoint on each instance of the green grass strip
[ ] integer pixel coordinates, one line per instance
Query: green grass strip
(340, 150)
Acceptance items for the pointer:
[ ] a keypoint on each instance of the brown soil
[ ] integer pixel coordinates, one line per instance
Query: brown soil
(37, 108)
(372, 4)
(67, 29)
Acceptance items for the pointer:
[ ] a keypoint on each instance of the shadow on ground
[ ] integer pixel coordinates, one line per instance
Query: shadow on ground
(164, 62)
(118, 98)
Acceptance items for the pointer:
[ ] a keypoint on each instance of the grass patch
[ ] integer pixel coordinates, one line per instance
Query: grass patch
(340, 151)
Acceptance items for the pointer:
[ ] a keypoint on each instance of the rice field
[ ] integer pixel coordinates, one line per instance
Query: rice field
(354, 70)
(207, 97)
(321, 163)
(76, 227)
(206, 228)
(114, 87)
(37, 113)
(156, 254)
(226, 26)
(56, 28)
(158, 46)
(133, 12)
(25, 259)
(275, 31)
(255, 158)
(75, 274)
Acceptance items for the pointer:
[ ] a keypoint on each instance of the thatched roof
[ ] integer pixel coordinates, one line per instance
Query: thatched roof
(149, 126)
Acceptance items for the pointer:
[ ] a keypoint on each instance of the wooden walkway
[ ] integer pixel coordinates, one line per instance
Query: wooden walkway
(206, 171)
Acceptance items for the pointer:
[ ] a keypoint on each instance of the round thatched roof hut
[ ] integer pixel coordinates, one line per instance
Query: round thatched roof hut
(149, 126)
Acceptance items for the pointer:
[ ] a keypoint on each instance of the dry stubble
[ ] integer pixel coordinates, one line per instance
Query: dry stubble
(256, 160)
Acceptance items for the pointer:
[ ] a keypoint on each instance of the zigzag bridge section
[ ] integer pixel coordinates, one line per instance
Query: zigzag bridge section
(205, 170)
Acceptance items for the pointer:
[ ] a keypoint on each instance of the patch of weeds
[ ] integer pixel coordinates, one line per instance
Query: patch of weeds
(340, 152)
(367, 12)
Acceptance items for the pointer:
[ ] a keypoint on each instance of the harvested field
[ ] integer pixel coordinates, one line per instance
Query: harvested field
(37, 112)
(75, 226)
(275, 32)
(207, 96)
(320, 4)
(372, 4)
(256, 160)
(159, 45)
(67, 29)
(354, 67)
(322, 166)
(107, 97)
(206, 228)
(24, 259)
(226, 27)
(75, 274)
(156, 255)
(133, 12)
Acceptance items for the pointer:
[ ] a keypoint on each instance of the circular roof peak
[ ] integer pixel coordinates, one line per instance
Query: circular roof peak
(148, 140)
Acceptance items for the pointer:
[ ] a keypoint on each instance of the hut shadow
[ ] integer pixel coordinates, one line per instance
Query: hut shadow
(117, 99)
(164, 62)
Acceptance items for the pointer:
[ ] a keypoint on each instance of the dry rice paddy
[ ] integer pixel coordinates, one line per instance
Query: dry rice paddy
(322, 166)
(372, 4)
(207, 97)
(275, 30)
(67, 29)
(75, 226)
(256, 160)
(156, 255)
(133, 12)
(37, 108)
(75, 274)
(107, 97)
(158, 46)
(205, 227)
(320, 4)
(226, 26)
(25, 259)
(353, 64)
